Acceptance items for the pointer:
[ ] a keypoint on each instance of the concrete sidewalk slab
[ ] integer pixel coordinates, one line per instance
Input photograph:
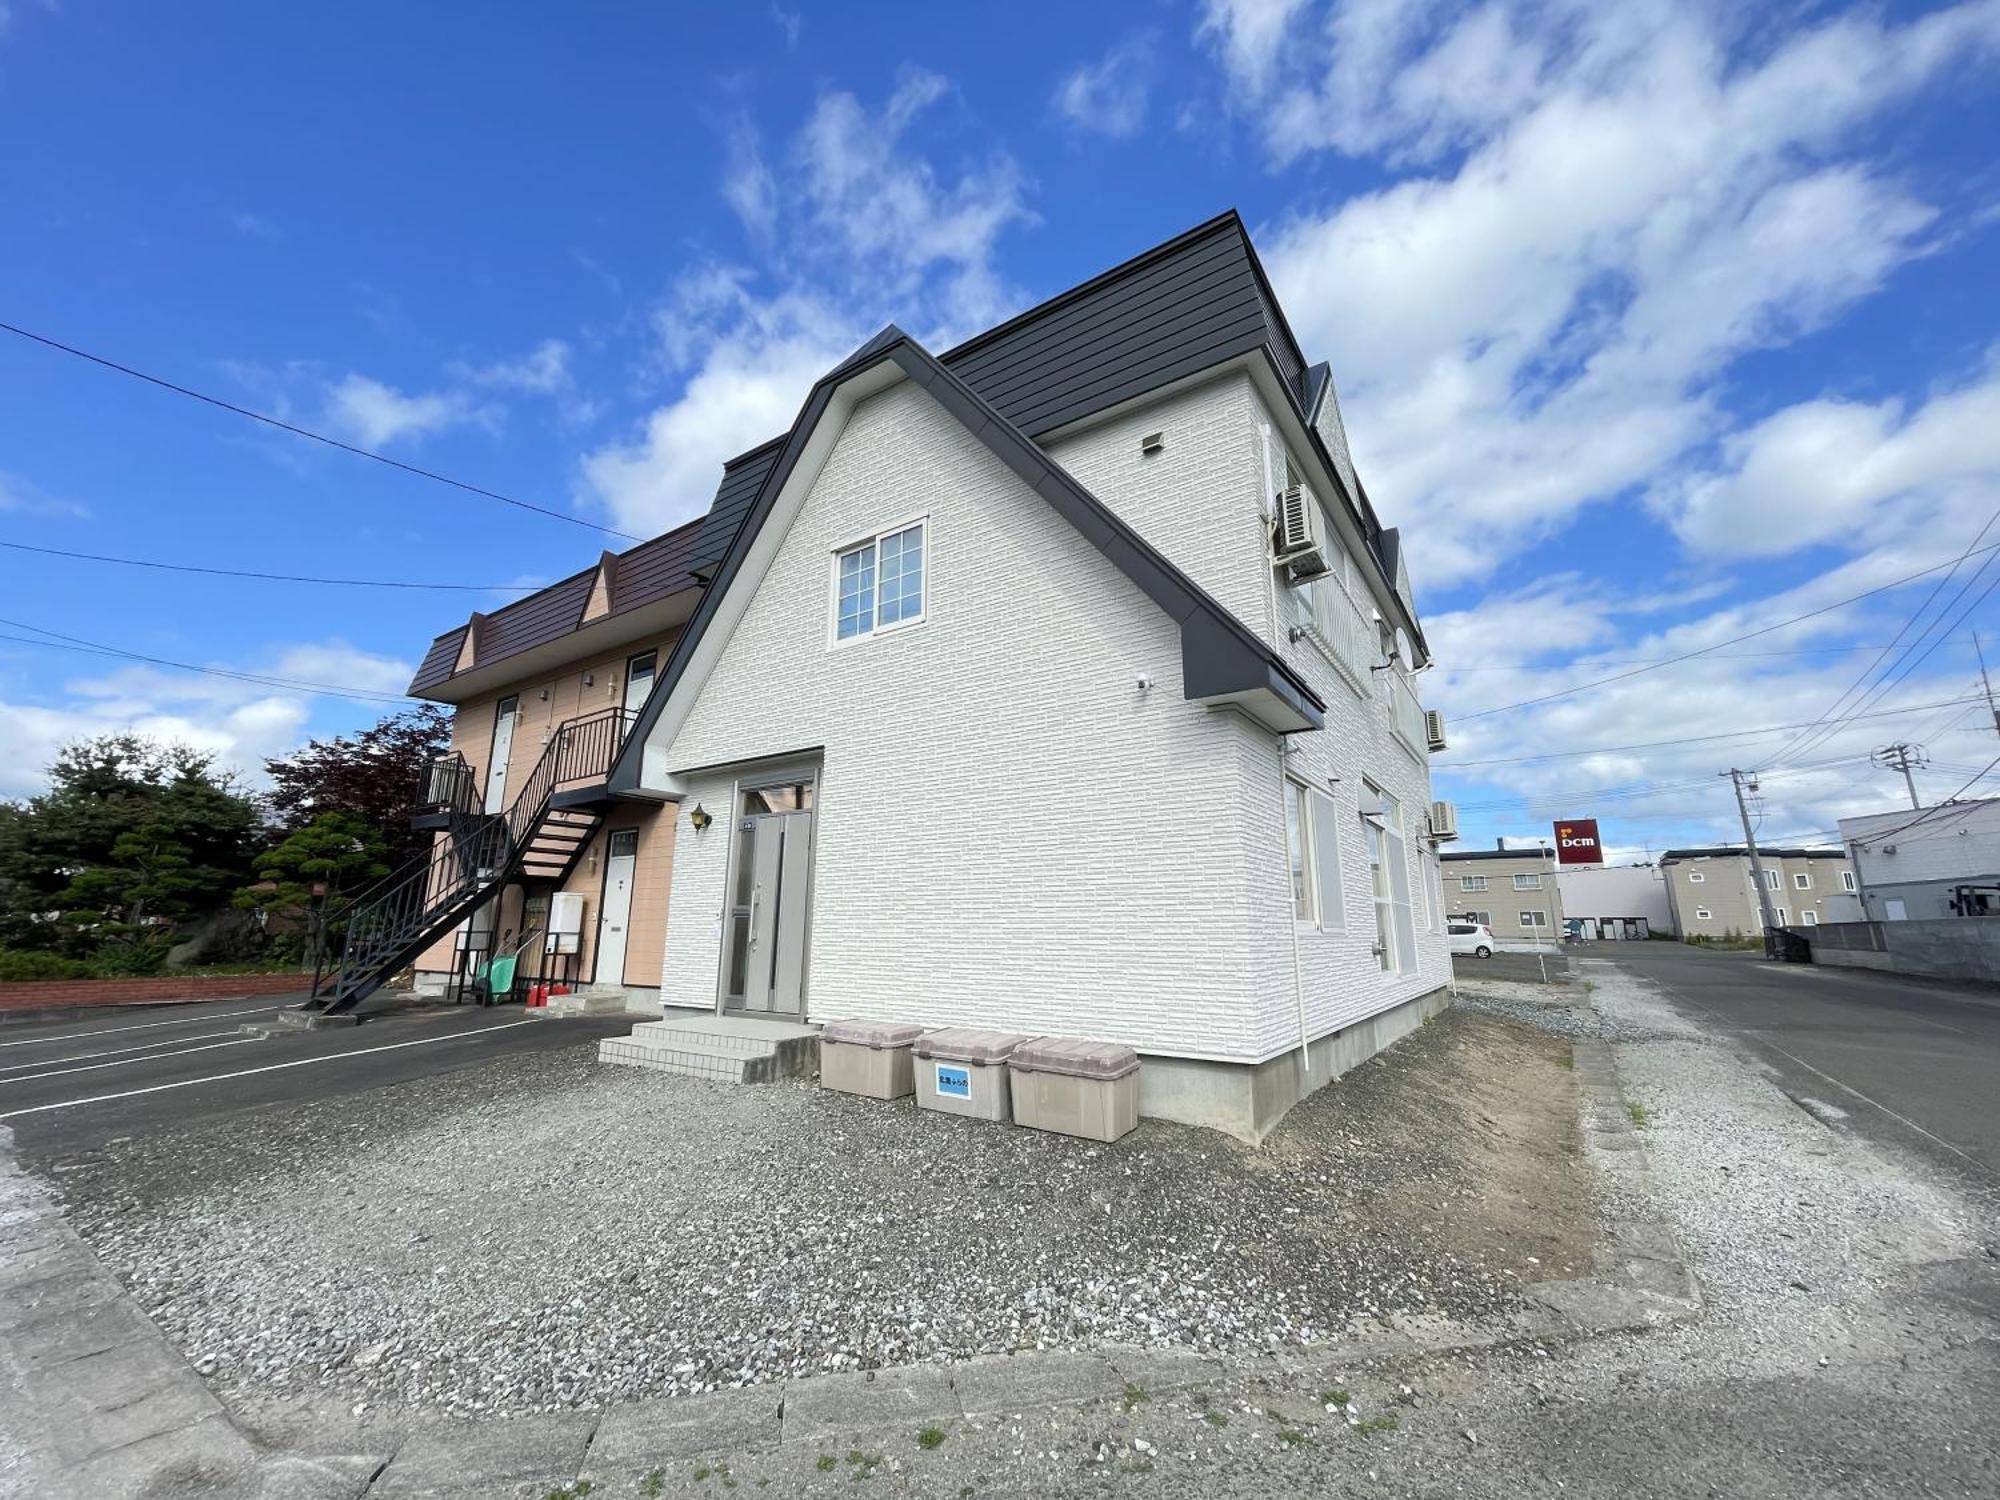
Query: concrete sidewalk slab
(485, 1458)
(999, 1384)
(829, 1404)
(647, 1433)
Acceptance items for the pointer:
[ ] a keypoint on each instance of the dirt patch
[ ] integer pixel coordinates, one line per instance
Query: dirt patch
(1484, 1114)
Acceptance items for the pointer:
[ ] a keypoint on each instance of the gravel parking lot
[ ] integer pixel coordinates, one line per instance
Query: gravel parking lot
(544, 1232)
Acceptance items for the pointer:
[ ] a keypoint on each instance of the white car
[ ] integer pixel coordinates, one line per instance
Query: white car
(1471, 937)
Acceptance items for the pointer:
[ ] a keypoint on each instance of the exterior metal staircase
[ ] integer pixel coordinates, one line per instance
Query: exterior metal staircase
(540, 837)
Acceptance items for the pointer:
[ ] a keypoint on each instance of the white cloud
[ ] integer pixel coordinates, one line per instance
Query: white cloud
(1109, 96)
(854, 227)
(791, 23)
(24, 498)
(1826, 470)
(254, 226)
(1545, 323)
(242, 724)
(542, 372)
(376, 415)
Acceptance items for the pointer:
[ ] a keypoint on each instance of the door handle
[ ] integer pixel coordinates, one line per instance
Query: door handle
(756, 899)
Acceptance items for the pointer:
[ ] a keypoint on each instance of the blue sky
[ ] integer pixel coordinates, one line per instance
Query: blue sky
(1652, 328)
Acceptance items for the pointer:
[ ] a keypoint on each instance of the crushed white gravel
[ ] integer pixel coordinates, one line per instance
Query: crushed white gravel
(545, 1232)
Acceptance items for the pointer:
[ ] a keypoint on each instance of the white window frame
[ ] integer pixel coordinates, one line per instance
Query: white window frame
(1702, 914)
(1472, 882)
(1784, 917)
(1811, 917)
(1304, 867)
(1847, 880)
(1527, 882)
(1695, 877)
(1385, 819)
(1329, 888)
(1772, 880)
(876, 628)
(1801, 880)
(1530, 920)
(1479, 919)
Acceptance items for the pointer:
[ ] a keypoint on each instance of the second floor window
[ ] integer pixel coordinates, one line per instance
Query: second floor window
(1847, 880)
(1527, 882)
(1472, 882)
(879, 584)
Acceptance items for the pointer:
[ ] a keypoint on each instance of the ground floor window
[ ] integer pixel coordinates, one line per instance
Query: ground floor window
(1389, 881)
(1534, 919)
(1701, 913)
(1482, 918)
(1329, 890)
(1812, 918)
(1296, 855)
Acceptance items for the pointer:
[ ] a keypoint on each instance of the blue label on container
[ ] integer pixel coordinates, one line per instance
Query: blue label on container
(954, 1083)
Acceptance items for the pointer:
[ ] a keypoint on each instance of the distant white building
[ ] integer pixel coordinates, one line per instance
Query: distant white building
(1928, 862)
(1613, 903)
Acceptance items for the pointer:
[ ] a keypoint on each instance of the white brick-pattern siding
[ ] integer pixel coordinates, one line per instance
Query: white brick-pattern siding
(1010, 831)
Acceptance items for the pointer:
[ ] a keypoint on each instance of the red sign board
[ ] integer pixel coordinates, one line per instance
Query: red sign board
(1576, 842)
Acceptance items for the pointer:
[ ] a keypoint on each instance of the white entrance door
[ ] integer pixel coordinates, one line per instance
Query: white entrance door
(764, 961)
(616, 915)
(504, 713)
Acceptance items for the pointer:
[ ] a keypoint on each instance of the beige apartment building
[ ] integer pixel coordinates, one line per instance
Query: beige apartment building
(1511, 891)
(544, 692)
(1712, 893)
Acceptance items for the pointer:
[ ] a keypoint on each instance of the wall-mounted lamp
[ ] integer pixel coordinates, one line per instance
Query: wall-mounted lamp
(699, 818)
(590, 679)
(543, 695)
(1145, 682)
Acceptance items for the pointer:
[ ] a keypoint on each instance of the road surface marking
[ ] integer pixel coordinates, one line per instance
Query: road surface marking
(126, 1062)
(199, 1036)
(303, 1062)
(70, 1036)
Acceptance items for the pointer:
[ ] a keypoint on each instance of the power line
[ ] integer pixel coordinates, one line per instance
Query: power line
(1933, 810)
(1732, 641)
(60, 642)
(1637, 791)
(1915, 615)
(306, 432)
(1697, 739)
(1647, 661)
(358, 583)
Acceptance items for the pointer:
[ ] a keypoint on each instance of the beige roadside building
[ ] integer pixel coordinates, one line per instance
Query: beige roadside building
(1511, 891)
(1712, 894)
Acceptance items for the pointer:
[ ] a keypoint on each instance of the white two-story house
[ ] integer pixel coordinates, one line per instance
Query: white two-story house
(1062, 683)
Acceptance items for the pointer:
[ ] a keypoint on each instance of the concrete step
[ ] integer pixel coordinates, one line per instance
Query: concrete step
(736, 1049)
(693, 1059)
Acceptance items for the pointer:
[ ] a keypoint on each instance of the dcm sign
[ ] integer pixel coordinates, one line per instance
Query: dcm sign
(1576, 843)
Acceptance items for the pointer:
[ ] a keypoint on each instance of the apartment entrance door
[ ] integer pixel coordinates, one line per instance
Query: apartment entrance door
(615, 915)
(765, 956)
(504, 714)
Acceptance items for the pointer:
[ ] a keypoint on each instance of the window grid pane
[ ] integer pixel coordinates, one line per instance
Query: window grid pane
(857, 592)
(901, 590)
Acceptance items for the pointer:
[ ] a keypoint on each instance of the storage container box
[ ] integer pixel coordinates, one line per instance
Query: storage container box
(962, 1071)
(1089, 1089)
(870, 1058)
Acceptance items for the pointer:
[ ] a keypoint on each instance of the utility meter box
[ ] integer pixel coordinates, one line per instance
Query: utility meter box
(869, 1058)
(565, 923)
(1089, 1089)
(961, 1071)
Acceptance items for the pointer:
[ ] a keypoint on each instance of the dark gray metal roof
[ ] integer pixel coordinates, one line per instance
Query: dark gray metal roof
(1219, 654)
(1179, 308)
(1457, 854)
(438, 661)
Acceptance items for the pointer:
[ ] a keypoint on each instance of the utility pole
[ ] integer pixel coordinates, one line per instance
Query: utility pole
(1985, 681)
(1742, 780)
(1901, 757)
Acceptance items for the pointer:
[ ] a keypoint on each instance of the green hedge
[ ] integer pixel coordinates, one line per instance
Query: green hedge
(16, 965)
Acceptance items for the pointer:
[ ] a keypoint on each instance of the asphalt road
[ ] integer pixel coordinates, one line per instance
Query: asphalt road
(1914, 1062)
(69, 1086)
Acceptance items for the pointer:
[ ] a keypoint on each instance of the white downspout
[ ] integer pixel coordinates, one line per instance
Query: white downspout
(1265, 506)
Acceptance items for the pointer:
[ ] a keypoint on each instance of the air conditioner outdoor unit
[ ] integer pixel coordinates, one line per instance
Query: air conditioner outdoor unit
(1434, 728)
(1444, 821)
(1299, 545)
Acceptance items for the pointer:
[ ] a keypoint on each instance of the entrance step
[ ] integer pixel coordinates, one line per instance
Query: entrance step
(728, 1049)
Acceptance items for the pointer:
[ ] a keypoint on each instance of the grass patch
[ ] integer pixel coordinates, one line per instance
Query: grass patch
(1216, 1418)
(863, 1464)
(930, 1438)
(1638, 1113)
(826, 1463)
(1369, 1426)
(654, 1483)
(1335, 1397)
(574, 1491)
(1291, 1437)
(1136, 1395)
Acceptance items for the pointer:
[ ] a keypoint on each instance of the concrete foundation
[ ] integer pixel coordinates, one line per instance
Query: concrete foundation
(1247, 1099)
(1948, 948)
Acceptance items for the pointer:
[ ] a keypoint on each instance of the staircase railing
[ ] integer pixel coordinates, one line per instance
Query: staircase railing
(475, 853)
